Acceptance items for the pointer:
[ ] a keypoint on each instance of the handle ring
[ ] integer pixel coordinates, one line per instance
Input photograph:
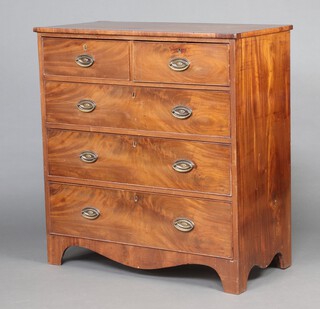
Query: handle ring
(179, 64)
(88, 156)
(183, 166)
(183, 224)
(181, 112)
(90, 213)
(84, 61)
(86, 106)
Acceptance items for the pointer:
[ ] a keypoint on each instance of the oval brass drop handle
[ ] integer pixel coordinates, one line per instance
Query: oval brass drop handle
(181, 112)
(183, 166)
(84, 61)
(183, 224)
(88, 156)
(86, 106)
(90, 213)
(179, 64)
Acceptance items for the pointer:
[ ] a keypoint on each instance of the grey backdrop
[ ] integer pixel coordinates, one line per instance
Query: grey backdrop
(88, 281)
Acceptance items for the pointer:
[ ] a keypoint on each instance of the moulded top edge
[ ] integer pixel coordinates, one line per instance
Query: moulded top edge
(154, 29)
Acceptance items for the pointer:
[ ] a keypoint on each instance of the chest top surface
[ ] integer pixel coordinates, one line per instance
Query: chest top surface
(191, 30)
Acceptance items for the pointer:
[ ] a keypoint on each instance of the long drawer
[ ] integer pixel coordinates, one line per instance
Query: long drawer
(185, 63)
(86, 58)
(139, 108)
(157, 221)
(153, 162)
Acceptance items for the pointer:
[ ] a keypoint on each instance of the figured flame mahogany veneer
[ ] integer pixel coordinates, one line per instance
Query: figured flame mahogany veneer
(208, 63)
(139, 108)
(142, 219)
(168, 144)
(110, 58)
(140, 160)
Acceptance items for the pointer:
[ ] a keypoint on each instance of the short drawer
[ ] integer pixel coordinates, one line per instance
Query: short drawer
(86, 58)
(149, 220)
(153, 162)
(185, 63)
(139, 108)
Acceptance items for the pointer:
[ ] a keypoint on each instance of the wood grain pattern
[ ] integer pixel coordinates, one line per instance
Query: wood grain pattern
(156, 29)
(44, 131)
(129, 83)
(111, 58)
(132, 38)
(140, 160)
(145, 258)
(141, 188)
(209, 63)
(263, 147)
(139, 108)
(122, 131)
(142, 219)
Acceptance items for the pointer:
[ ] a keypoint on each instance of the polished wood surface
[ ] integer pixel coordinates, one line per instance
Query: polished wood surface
(238, 137)
(142, 219)
(144, 257)
(154, 29)
(111, 58)
(140, 188)
(140, 160)
(209, 63)
(139, 108)
(263, 142)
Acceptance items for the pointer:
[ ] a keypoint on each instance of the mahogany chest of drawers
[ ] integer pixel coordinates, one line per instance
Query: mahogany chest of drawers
(168, 144)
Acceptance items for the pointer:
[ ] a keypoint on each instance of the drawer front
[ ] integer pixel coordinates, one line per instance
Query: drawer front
(110, 58)
(142, 219)
(140, 160)
(181, 63)
(140, 108)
